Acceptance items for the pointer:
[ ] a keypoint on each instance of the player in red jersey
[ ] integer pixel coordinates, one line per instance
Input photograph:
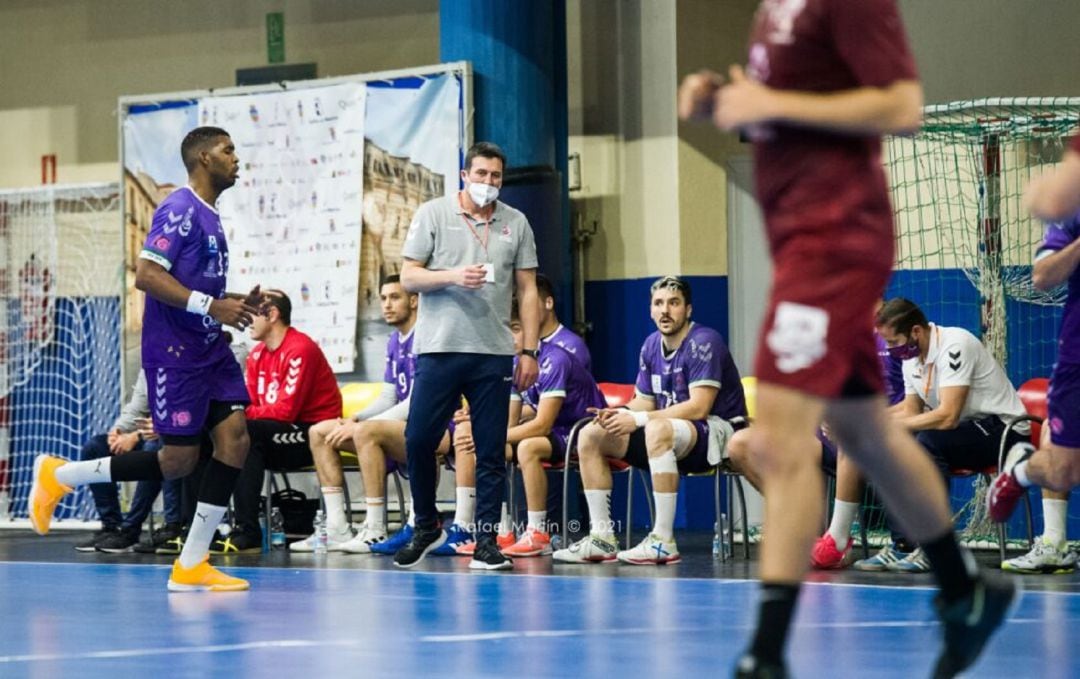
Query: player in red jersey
(826, 78)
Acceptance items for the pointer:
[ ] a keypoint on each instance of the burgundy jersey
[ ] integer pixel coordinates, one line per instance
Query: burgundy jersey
(810, 181)
(1075, 143)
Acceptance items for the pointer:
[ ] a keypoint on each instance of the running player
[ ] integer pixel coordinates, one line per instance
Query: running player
(826, 79)
(196, 384)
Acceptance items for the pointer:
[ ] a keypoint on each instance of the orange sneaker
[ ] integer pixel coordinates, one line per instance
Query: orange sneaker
(504, 540)
(203, 578)
(532, 543)
(46, 492)
(467, 549)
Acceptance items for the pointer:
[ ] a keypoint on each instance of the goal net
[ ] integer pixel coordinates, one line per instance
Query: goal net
(60, 331)
(965, 242)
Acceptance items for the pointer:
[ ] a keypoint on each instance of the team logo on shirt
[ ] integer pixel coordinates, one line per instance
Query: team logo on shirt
(181, 418)
(162, 243)
(293, 376)
(797, 336)
(181, 222)
(782, 15)
(701, 351)
(954, 360)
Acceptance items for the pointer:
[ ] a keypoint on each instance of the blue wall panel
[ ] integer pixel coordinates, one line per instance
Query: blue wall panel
(619, 313)
(73, 394)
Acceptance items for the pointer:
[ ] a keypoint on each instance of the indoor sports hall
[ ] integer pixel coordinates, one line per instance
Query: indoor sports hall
(347, 117)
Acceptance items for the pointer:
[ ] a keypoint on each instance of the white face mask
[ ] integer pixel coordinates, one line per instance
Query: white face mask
(483, 194)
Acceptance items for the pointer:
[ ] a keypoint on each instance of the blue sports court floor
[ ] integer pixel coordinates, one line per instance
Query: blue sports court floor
(102, 616)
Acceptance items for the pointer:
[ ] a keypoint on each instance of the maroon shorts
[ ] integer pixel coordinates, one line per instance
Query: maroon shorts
(817, 333)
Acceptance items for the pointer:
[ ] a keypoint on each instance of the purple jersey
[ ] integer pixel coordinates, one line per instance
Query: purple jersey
(572, 342)
(892, 370)
(701, 360)
(562, 375)
(186, 239)
(400, 364)
(1058, 235)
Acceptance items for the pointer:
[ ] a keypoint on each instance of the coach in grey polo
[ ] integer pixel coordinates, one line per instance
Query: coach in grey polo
(465, 254)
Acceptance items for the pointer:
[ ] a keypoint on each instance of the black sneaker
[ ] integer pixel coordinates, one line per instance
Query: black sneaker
(90, 544)
(237, 543)
(118, 543)
(487, 557)
(161, 537)
(750, 667)
(171, 547)
(423, 541)
(970, 622)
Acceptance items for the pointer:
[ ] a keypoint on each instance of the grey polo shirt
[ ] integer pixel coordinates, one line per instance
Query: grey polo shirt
(455, 319)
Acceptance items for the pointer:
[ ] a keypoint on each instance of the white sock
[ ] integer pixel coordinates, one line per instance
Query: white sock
(1020, 474)
(505, 525)
(197, 543)
(665, 515)
(91, 471)
(412, 515)
(537, 520)
(465, 509)
(334, 497)
(376, 514)
(599, 502)
(840, 527)
(1054, 515)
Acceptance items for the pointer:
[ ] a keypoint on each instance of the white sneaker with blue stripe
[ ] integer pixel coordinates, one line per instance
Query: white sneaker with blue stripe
(880, 561)
(916, 562)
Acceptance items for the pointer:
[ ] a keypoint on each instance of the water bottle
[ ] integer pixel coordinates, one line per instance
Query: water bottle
(717, 550)
(321, 538)
(277, 529)
(725, 537)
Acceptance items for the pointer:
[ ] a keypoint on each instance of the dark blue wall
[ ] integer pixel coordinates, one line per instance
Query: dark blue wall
(619, 313)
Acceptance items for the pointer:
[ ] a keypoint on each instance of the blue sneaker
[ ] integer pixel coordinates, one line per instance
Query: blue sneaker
(391, 545)
(456, 538)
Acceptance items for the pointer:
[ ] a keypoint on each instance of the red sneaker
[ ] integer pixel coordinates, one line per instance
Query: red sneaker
(1006, 491)
(1002, 497)
(825, 556)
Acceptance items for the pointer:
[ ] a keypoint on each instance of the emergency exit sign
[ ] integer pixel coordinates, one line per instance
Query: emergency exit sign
(275, 37)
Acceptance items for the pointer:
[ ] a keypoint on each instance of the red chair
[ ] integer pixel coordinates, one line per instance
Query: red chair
(616, 395)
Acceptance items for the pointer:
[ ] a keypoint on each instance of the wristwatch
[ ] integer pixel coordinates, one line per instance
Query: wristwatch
(534, 354)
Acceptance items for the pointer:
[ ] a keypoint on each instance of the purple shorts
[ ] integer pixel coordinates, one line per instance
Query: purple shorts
(558, 439)
(1063, 405)
(180, 397)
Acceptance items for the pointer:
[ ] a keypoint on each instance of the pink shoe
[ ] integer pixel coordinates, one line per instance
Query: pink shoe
(1006, 491)
(825, 556)
(1002, 497)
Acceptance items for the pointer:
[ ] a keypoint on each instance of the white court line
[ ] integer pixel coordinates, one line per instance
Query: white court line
(139, 652)
(545, 576)
(443, 639)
